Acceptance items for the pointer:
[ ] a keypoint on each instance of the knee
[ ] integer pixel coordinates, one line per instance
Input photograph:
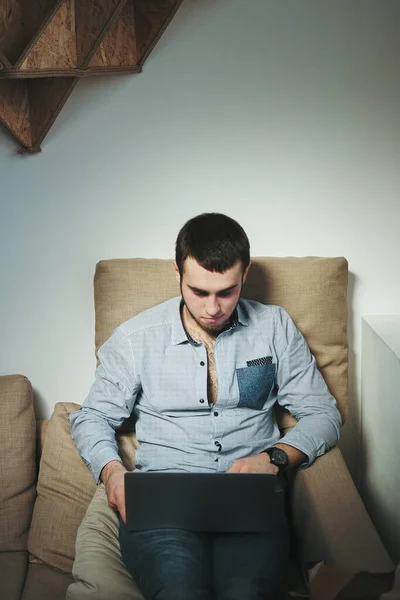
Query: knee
(99, 572)
(245, 589)
(182, 591)
(102, 589)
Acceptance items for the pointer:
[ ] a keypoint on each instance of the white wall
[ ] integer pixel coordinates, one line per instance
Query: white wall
(282, 114)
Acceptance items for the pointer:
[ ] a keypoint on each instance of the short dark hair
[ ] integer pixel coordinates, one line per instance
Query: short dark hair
(215, 241)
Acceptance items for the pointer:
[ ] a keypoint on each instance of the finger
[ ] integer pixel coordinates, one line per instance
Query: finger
(120, 503)
(122, 512)
(235, 468)
(111, 503)
(248, 469)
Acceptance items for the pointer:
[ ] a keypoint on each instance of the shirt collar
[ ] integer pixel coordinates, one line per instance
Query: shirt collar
(180, 335)
(242, 314)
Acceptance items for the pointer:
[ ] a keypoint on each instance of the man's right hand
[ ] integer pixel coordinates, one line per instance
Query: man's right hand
(112, 475)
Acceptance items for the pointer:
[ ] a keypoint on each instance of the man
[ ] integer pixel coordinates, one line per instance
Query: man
(202, 373)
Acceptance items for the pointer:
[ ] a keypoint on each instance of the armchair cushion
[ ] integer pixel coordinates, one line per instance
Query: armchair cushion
(65, 489)
(337, 582)
(331, 521)
(312, 290)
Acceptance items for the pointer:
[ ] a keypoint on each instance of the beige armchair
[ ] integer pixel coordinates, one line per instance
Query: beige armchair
(329, 518)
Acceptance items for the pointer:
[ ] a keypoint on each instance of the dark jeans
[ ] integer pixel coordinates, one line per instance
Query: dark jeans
(173, 564)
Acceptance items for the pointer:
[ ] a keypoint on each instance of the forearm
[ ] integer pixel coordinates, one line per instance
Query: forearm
(95, 440)
(110, 401)
(304, 393)
(110, 468)
(113, 477)
(312, 436)
(296, 457)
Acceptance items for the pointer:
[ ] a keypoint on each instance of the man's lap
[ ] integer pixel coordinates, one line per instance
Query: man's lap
(242, 566)
(168, 563)
(249, 566)
(100, 573)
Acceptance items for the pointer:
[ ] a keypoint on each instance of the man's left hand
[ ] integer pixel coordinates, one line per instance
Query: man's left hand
(258, 463)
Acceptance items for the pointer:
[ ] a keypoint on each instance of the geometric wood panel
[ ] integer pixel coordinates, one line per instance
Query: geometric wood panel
(46, 98)
(46, 46)
(151, 19)
(14, 110)
(118, 49)
(20, 22)
(93, 19)
(56, 46)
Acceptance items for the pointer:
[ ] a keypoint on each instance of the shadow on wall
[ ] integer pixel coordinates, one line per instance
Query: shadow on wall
(349, 443)
(39, 406)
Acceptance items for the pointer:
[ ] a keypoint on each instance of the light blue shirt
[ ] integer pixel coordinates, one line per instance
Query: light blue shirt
(151, 367)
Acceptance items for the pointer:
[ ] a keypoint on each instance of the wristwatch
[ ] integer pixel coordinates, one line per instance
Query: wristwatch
(278, 457)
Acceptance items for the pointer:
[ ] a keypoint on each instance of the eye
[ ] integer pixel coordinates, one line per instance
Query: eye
(200, 293)
(225, 294)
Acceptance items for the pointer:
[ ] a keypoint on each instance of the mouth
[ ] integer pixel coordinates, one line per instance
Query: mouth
(212, 319)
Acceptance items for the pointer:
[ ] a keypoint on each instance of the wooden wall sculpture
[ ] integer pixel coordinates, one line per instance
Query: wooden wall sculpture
(46, 46)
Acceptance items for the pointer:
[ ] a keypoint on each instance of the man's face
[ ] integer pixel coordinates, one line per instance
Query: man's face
(210, 297)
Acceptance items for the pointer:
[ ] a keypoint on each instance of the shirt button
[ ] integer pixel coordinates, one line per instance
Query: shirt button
(201, 400)
(218, 446)
(202, 363)
(215, 414)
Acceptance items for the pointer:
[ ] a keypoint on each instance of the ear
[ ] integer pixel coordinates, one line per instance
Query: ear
(246, 272)
(177, 274)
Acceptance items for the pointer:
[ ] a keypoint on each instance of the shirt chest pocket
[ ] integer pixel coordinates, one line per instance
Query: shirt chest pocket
(255, 383)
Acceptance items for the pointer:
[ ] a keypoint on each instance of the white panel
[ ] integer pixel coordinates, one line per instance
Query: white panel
(380, 473)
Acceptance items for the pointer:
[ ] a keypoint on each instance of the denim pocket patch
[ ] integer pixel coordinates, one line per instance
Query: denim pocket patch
(255, 383)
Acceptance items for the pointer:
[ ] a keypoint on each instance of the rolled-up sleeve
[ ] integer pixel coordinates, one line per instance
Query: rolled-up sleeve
(303, 391)
(110, 401)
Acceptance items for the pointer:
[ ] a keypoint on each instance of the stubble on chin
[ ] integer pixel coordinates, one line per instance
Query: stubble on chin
(213, 331)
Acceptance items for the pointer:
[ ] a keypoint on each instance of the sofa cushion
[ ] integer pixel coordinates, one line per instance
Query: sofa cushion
(13, 568)
(17, 461)
(65, 488)
(312, 290)
(45, 583)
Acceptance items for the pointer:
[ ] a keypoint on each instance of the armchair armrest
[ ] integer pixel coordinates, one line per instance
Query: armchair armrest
(330, 520)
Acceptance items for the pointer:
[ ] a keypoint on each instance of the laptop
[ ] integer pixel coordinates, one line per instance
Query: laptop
(207, 502)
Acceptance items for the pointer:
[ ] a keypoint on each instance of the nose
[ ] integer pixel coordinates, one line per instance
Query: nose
(212, 306)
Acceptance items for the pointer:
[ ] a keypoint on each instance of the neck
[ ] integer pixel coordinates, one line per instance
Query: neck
(195, 330)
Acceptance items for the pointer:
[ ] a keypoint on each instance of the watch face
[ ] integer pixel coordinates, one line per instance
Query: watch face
(278, 457)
